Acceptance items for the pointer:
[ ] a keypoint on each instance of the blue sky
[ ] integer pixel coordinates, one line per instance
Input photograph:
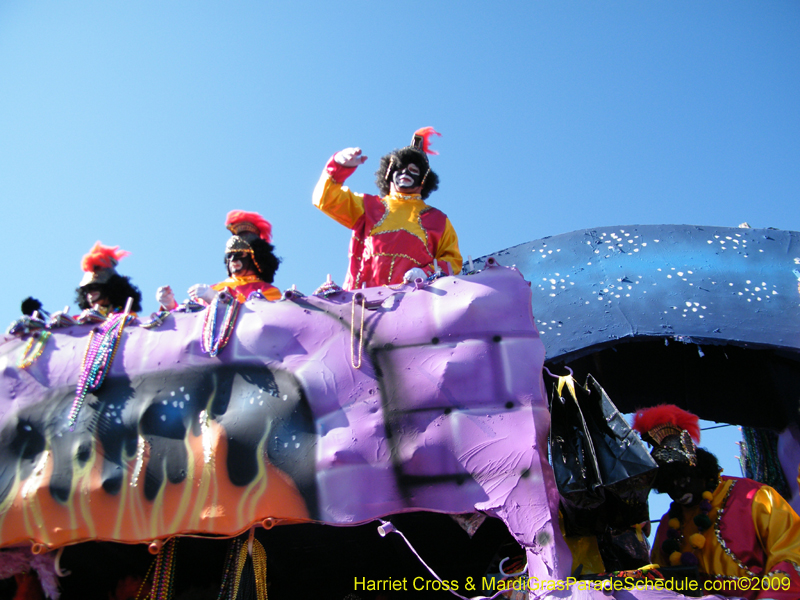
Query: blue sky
(141, 124)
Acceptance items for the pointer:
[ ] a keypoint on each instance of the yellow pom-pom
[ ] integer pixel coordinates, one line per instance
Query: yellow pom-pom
(707, 496)
(675, 559)
(674, 523)
(697, 540)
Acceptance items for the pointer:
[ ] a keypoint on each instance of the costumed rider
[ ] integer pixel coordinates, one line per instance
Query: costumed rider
(103, 291)
(396, 237)
(249, 259)
(727, 527)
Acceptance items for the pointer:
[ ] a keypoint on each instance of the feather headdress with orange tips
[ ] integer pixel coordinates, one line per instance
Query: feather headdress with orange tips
(422, 139)
(672, 431)
(100, 262)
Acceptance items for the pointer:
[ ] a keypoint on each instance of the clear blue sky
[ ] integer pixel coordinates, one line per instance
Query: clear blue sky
(141, 124)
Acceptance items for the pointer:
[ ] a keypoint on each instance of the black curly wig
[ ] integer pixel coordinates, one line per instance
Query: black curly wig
(707, 468)
(405, 156)
(117, 289)
(266, 263)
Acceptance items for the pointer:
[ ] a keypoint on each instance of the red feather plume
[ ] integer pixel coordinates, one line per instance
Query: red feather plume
(102, 257)
(240, 216)
(425, 133)
(646, 419)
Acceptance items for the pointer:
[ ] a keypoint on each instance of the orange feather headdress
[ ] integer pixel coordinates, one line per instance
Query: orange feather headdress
(422, 139)
(100, 262)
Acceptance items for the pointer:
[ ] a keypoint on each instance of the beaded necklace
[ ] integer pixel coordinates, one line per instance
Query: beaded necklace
(163, 586)
(212, 343)
(357, 364)
(33, 349)
(229, 570)
(100, 352)
(672, 546)
(259, 557)
(235, 561)
(156, 319)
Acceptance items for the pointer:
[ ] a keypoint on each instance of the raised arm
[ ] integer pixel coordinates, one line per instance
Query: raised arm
(331, 197)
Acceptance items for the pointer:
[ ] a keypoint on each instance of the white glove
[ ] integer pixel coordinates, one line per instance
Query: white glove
(165, 297)
(202, 291)
(349, 157)
(414, 274)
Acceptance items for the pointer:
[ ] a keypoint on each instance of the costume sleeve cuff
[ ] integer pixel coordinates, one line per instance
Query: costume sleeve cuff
(338, 172)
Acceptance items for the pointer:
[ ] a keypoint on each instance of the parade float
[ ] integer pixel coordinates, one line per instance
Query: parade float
(322, 432)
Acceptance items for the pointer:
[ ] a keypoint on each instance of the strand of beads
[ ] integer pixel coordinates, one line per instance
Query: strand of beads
(259, 558)
(33, 349)
(212, 343)
(164, 573)
(229, 572)
(100, 352)
(240, 562)
(156, 319)
(260, 569)
(357, 364)
(143, 585)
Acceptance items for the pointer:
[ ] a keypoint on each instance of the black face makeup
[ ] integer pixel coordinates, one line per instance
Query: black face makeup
(94, 295)
(239, 263)
(407, 177)
(686, 490)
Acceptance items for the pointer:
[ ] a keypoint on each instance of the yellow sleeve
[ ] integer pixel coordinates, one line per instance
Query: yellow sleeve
(337, 201)
(448, 248)
(778, 527)
(273, 293)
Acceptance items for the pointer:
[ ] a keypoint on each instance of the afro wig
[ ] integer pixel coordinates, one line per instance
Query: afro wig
(266, 263)
(117, 289)
(405, 156)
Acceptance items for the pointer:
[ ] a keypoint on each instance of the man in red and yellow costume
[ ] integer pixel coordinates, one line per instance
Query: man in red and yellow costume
(249, 259)
(736, 531)
(396, 236)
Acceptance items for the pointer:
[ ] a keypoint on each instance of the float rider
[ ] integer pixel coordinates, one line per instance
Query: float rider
(396, 237)
(732, 529)
(249, 260)
(103, 290)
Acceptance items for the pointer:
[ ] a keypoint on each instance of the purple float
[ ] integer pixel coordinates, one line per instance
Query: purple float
(335, 414)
